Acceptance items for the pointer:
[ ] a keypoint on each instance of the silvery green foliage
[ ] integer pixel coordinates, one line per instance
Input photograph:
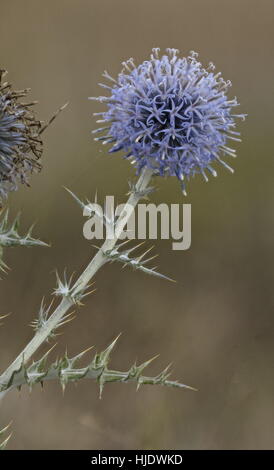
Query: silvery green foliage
(10, 237)
(66, 370)
(144, 194)
(70, 294)
(138, 263)
(65, 288)
(43, 315)
(116, 254)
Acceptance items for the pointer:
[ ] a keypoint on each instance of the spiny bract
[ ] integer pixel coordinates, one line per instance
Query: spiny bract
(170, 114)
(20, 142)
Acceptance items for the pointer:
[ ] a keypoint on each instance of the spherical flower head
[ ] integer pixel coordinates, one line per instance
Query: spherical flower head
(171, 115)
(20, 142)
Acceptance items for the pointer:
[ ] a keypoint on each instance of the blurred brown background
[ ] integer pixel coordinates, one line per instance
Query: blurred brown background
(217, 323)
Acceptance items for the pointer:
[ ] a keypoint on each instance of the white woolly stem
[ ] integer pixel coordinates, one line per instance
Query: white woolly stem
(66, 303)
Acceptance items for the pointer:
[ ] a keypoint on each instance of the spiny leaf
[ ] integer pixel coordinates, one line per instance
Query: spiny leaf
(140, 194)
(65, 288)
(91, 209)
(9, 235)
(136, 263)
(65, 370)
(135, 371)
(102, 359)
(36, 372)
(43, 316)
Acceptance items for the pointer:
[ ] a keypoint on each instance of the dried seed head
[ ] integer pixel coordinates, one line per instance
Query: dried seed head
(20, 141)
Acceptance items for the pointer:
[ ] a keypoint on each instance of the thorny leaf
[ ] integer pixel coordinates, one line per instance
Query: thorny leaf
(65, 370)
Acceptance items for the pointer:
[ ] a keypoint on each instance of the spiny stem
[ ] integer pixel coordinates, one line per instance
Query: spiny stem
(95, 264)
(66, 370)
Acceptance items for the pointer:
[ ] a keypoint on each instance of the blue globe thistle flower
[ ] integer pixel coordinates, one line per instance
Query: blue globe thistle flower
(20, 142)
(171, 115)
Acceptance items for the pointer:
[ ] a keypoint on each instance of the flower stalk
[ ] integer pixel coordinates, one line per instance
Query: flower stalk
(67, 301)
